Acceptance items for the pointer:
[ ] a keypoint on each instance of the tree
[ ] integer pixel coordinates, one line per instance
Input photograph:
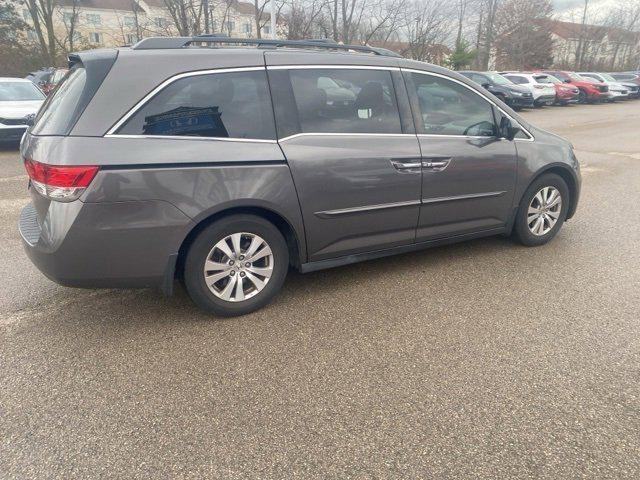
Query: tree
(523, 34)
(187, 16)
(16, 57)
(462, 56)
(486, 32)
(41, 13)
(427, 25)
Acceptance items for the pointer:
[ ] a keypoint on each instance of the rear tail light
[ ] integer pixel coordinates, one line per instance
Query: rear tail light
(61, 183)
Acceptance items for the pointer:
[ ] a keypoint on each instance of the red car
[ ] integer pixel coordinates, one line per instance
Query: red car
(565, 93)
(588, 92)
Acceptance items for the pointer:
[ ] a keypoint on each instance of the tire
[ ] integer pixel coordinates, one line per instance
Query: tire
(522, 231)
(582, 96)
(208, 245)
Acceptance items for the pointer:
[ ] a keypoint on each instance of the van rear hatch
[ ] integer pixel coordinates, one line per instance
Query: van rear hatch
(63, 108)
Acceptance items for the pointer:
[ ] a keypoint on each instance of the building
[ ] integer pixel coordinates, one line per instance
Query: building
(587, 47)
(80, 24)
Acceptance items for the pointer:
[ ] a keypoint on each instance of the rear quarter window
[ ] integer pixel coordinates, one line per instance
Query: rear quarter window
(213, 105)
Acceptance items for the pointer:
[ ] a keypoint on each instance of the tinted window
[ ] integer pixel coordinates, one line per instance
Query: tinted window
(235, 105)
(59, 111)
(448, 108)
(345, 101)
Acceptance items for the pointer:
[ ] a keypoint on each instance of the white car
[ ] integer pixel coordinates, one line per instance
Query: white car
(617, 90)
(543, 93)
(20, 100)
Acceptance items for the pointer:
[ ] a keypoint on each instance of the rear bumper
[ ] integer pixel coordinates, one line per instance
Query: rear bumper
(113, 245)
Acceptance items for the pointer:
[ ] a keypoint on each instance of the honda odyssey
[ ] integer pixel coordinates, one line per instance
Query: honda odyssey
(224, 167)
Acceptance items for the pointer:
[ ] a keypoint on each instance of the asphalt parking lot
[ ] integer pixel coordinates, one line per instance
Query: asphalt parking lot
(483, 359)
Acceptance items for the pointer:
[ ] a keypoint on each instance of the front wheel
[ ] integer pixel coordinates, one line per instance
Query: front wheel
(582, 96)
(236, 265)
(542, 210)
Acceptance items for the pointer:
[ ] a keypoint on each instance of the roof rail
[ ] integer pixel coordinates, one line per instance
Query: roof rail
(158, 43)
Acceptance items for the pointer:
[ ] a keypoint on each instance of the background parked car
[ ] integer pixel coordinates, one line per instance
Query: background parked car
(588, 91)
(40, 77)
(619, 90)
(565, 93)
(20, 100)
(515, 96)
(47, 78)
(543, 93)
(627, 78)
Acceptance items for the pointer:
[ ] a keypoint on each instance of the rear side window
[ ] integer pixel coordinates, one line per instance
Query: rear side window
(448, 108)
(60, 111)
(345, 101)
(223, 105)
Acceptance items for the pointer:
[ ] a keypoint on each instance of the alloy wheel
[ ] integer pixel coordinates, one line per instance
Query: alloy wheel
(238, 267)
(544, 211)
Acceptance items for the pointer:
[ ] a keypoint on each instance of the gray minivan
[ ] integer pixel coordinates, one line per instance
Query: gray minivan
(224, 162)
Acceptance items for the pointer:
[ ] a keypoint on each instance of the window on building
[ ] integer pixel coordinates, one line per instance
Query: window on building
(130, 21)
(131, 38)
(95, 37)
(345, 101)
(160, 22)
(229, 26)
(266, 30)
(235, 105)
(67, 18)
(246, 28)
(448, 108)
(94, 18)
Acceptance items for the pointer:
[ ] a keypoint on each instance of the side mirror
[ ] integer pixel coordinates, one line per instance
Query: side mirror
(486, 85)
(567, 80)
(508, 130)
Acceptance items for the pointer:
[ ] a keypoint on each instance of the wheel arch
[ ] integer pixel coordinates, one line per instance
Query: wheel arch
(285, 226)
(568, 176)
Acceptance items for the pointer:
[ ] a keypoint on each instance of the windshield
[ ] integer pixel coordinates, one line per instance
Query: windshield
(576, 77)
(19, 92)
(498, 79)
(607, 77)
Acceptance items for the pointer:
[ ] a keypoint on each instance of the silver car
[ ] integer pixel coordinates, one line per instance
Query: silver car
(19, 101)
(225, 167)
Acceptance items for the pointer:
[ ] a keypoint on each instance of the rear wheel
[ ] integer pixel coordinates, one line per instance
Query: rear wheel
(236, 265)
(542, 210)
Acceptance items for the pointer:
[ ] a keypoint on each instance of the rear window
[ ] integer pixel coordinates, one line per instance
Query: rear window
(60, 111)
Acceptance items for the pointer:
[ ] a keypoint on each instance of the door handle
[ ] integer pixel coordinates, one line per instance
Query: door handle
(407, 165)
(436, 164)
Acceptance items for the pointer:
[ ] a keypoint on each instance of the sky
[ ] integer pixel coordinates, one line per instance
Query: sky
(565, 9)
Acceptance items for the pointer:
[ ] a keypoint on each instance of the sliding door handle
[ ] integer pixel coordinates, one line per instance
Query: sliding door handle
(407, 165)
(435, 164)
